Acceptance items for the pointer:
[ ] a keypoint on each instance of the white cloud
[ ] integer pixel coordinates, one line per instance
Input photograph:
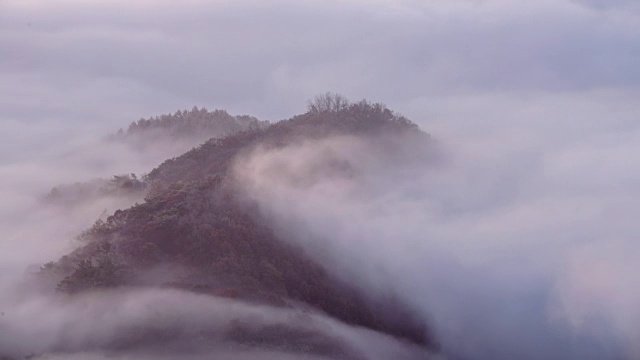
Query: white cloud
(535, 103)
(509, 245)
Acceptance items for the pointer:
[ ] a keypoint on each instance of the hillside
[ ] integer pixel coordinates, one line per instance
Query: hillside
(216, 155)
(164, 134)
(197, 124)
(196, 222)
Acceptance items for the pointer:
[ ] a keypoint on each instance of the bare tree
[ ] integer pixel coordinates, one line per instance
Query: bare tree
(328, 102)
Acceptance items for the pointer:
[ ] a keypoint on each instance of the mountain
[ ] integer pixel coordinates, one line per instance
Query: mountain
(197, 231)
(195, 124)
(165, 134)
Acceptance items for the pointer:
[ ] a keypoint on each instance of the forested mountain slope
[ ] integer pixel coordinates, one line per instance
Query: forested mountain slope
(196, 231)
(145, 137)
(196, 123)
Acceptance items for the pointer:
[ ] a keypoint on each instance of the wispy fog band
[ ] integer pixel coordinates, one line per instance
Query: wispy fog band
(521, 244)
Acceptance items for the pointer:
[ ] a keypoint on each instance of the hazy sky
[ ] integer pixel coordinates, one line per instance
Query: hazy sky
(101, 64)
(536, 102)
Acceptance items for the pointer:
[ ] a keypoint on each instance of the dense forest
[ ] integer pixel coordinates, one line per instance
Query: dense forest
(194, 218)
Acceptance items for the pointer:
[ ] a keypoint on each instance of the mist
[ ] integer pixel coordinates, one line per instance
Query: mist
(38, 229)
(516, 240)
(165, 324)
(140, 323)
(513, 234)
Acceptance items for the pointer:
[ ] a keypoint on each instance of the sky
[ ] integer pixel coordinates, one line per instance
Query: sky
(100, 64)
(533, 102)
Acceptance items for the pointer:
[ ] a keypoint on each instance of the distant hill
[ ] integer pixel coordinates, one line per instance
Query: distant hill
(125, 185)
(195, 124)
(216, 155)
(194, 217)
(180, 130)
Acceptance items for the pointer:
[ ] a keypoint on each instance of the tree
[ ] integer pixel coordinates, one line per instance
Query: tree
(328, 102)
(100, 271)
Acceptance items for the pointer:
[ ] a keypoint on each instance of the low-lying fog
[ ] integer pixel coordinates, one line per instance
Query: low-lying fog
(514, 240)
(519, 242)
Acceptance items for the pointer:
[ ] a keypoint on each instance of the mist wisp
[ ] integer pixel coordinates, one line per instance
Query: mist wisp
(156, 323)
(513, 239)
(517, 241)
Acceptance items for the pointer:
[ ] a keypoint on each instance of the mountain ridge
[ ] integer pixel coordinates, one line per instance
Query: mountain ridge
(195, 218)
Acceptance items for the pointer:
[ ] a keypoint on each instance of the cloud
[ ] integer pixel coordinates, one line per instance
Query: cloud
(42, 155)
(521, 242)
(267, 58)
(169, 323)
(518, 241)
